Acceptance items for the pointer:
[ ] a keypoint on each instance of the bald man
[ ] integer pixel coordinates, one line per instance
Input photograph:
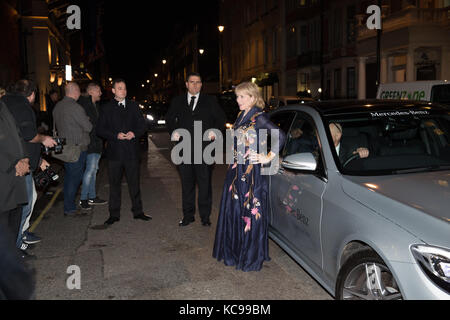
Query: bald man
(73, 124)
(344, 151)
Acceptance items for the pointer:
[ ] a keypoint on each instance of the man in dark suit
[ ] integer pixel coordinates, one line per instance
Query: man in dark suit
(121, 123)
(183, 112)
(14, 166)
(346, 148)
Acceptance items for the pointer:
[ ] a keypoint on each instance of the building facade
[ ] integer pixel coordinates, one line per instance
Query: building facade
(39, 46)
(252, 43)
(324, 46)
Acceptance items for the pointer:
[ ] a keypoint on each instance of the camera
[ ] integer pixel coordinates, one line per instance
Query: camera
(44, 178)
(58, 149)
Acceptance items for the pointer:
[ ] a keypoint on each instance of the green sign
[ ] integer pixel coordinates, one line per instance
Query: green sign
(403, 95)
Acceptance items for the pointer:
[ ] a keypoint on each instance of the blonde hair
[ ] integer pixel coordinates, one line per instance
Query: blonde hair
(252, 90)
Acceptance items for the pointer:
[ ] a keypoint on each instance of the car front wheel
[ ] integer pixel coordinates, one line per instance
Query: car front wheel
(366, 277)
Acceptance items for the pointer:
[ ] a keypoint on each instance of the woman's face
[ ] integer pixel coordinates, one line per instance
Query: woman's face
(245, 101)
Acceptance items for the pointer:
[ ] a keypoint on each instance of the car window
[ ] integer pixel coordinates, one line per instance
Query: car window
(303, 138)
(283, 120)
(395, 142)
(441, 94)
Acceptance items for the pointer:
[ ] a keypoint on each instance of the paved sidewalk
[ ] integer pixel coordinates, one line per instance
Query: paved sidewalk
(134, 259)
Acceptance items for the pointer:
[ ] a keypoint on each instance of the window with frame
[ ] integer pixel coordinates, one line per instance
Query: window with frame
(351, 24)
(351, 83)
(337, 83)
(303, 138)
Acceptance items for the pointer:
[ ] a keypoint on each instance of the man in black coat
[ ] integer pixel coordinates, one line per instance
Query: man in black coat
(121, 123)
(89, 196)
(19, 104)
(183, 112)
(13, 167)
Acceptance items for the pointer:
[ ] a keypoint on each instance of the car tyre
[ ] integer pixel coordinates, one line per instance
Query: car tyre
(365, 276)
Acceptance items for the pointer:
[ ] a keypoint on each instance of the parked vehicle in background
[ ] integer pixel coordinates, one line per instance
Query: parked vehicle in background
(431, 91)
(229, 105)
(154, 113)
(372, 228)
(281, 101)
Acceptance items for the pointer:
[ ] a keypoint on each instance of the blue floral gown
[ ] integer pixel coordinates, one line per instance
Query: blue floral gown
(242, 227)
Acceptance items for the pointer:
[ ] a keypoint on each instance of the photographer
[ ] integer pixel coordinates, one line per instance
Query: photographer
(73, 124)
(16, 280)
(19, 103)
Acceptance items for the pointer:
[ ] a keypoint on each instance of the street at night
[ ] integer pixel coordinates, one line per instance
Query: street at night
(156, 260)
(225, 158)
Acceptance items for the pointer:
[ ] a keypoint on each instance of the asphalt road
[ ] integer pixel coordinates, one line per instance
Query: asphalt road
(156, 259)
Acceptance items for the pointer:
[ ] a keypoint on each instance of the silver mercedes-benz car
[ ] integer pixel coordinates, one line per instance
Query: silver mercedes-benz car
(362, 197)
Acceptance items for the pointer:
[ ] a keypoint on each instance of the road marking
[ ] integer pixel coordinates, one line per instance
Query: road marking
(47, 208)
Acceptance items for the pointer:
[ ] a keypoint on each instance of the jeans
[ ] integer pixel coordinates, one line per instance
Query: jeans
(90, 177)
(72, 180)
(27, 209)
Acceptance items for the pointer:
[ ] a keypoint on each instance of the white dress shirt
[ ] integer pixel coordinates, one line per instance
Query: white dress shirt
(123, 102)
(196, 100)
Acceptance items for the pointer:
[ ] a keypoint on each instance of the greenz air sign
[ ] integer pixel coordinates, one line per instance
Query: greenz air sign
(403, 95)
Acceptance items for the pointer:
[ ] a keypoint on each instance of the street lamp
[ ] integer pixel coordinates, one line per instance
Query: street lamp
(201, 51)
(221, 28)
(164, 61)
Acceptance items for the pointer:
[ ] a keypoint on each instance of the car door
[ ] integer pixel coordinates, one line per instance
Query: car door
(296, 197)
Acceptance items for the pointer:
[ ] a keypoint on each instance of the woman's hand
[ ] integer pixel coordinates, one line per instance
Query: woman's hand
(259, 158)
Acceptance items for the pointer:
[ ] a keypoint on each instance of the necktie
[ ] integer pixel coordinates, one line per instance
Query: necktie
(191, 105)
(122, 105)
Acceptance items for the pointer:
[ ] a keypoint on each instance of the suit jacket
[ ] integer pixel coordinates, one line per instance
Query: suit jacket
(23, 113)
(350, 144)
(72, 122)
(13, 191)
(115, 119)
(208, 111)
(92, 111)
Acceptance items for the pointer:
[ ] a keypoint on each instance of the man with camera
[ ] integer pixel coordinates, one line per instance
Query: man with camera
(16, 280)
(19, 103)
(72, 124)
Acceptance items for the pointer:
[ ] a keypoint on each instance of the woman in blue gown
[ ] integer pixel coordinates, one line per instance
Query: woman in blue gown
(242, 227)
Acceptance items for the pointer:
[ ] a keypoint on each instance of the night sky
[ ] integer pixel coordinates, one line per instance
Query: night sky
(137, 33)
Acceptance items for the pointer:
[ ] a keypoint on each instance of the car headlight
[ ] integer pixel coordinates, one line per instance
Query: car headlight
(435, 262)
(150, 117)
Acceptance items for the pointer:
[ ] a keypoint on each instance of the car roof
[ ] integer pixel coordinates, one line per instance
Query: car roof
(356, 106)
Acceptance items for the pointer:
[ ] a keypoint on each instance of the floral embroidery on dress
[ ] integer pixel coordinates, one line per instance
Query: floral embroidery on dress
(246, 136)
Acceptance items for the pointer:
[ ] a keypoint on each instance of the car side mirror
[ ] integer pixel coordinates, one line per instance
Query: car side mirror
(300, 161)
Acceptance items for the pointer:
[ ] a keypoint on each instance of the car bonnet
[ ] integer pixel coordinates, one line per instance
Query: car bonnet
(417, 202)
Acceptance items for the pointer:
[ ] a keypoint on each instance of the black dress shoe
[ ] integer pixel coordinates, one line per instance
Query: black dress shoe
(143, 217)
(185, 222)
(206, 223)
(111, 221)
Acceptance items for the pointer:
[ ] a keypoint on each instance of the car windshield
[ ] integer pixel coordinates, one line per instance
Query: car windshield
(441, 94)
(391, 142)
